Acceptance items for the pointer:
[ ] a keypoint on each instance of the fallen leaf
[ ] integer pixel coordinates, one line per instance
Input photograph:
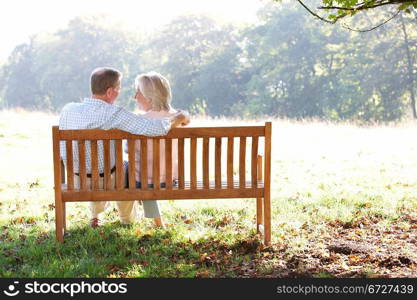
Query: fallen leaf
(226, 220)
(145, 263)
(203, 257)
(9, 253)
(19, 220)
(353, 259)
(203, 273)
(211, 221)
(113, 268)
(404, 236)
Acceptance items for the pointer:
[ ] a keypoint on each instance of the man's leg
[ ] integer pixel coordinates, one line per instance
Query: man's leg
(126, 209)
(96, 207)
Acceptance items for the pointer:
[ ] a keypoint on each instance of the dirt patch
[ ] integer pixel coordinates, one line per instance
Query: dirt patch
(348, 247)
(369, 249)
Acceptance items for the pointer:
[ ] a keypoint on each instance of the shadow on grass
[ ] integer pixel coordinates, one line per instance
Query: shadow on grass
(116, 250)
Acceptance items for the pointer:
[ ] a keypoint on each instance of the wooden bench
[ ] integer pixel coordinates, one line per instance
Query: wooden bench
(252, 180)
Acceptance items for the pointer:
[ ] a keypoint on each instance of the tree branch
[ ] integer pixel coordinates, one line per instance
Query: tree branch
(319, 17)
(370, 29)
(362, 6)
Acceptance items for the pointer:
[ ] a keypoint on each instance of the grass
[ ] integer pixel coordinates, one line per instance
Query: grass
(331, 184)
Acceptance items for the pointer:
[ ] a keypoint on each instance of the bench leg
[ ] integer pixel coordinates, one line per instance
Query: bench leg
(259, 215)
(267, 220)
(59, 219)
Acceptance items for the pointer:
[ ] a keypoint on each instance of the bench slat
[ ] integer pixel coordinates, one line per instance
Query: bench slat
(218, 162)
(242, 161)
(156, 164)
(230, 145)
(107, 168)
(185, 132)
(168, 163)
(181, 162)
(82, 168)
(132, 163)
(94, 165)
(70, 165)
(193, 163)
(163, 194)
(200, 185)
(206, 144)
(254, 160)
(144, 163)
(119, 165)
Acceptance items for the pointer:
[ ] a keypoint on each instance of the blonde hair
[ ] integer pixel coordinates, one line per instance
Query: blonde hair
(155, 87)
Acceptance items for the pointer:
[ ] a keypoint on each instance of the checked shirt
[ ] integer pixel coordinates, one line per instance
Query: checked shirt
(97, 114)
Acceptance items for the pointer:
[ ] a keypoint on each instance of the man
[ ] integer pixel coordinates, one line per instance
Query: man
(98, 112)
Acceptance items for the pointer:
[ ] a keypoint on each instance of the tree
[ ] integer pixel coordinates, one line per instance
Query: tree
(294, 73)
(55, 69)
(287, 65)
(408, 48)
(199, 57)
(339, 9)
(20, 79)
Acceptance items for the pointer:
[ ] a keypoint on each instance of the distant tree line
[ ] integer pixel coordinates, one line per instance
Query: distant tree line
(288, 65)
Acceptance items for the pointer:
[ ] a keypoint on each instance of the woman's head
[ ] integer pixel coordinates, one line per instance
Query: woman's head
(153, 91)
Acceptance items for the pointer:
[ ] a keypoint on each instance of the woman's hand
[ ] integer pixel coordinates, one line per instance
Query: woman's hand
(180, 118)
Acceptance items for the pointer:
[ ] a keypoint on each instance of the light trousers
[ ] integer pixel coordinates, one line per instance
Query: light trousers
(125, 208)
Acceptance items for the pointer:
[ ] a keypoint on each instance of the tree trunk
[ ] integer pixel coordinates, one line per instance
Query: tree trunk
(409, 68)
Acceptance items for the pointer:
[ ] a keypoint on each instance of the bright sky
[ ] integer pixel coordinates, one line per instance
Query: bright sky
(23, 18)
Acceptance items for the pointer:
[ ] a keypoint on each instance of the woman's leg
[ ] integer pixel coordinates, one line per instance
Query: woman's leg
(158, 222)
(151, 210)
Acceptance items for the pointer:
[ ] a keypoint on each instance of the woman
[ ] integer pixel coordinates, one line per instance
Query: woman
(153, 95)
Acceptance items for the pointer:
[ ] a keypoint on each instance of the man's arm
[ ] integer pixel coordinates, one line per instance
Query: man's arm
(130, 122)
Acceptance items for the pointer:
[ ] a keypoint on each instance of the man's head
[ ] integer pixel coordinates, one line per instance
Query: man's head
(105, 84)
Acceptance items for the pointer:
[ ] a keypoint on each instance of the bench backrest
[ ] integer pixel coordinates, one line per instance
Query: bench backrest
(196, 163)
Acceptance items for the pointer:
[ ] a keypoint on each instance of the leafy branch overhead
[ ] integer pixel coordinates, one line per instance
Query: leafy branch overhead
(339, 9)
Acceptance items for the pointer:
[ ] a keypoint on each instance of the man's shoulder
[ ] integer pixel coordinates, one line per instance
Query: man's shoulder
(71, 106)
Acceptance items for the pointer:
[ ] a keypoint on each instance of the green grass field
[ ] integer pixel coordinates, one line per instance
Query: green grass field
(344, 204)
